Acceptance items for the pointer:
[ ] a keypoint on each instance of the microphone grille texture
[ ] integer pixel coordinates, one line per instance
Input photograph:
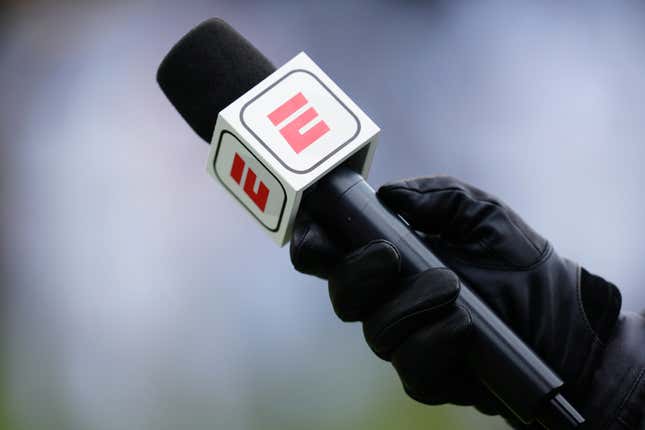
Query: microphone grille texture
(208, 69)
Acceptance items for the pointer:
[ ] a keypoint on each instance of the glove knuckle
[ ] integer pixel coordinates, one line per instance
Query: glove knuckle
(438, 286)
(363, 279)
(379, 250)
(447, 278)
(446, 180)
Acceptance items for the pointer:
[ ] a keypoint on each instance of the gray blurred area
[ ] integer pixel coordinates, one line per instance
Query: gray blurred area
(138, 295)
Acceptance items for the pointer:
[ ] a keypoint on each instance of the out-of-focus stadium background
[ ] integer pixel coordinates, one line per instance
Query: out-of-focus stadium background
(128, 300)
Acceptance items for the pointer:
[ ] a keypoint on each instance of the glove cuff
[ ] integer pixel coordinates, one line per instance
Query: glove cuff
(613, 395)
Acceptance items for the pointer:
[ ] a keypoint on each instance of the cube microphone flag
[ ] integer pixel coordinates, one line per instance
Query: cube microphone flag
(290, 139)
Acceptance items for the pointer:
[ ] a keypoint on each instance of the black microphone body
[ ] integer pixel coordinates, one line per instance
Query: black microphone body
(348, 208)
(210, 68)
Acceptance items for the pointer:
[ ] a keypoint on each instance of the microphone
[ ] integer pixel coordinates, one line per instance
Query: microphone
(290, 139)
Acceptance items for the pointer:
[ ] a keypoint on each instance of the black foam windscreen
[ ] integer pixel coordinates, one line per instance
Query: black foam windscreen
(208, 69)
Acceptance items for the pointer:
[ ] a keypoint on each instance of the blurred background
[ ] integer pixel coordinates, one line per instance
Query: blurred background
(126, 302)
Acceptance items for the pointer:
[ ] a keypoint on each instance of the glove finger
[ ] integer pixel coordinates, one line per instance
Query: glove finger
(311, 250)
(423, 298)
(431, 363)
(364, 279)
(465, 215)
(433, 368)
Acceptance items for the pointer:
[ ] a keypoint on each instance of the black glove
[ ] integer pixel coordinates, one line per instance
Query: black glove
(564, 313)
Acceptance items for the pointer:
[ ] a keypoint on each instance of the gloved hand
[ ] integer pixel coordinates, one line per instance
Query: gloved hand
(568, 316)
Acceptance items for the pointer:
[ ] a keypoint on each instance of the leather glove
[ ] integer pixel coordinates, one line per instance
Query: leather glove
(567, 315)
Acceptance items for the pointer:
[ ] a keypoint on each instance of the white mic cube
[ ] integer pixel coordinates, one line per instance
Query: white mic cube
(282, 136)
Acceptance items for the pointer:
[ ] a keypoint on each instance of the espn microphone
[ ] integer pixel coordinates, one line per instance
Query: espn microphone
(290, 139)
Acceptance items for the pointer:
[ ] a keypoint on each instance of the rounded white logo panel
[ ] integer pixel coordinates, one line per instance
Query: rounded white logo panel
(249, 181)
(300, 121)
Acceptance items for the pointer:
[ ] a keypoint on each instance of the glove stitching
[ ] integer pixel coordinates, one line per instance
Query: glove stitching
(546, 254)
(468, 314)
(491, 250)
(420, 311)
(581, 308)
(298, 246)
(355, 313)
(510, 219)
(355, 256)
(440, 190)
(627, 397)
(624, 424)
(586, 369)
(469, 196)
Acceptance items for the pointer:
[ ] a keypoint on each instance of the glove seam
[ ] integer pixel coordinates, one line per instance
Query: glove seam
(298, 246)
(506, 211)
(546, 253)
(440, 190)
(581, 308)
(585, 374)
(418, 312)
(474, 199)
(467, 311)
(628, 396)
(510, 219)
(353, 257)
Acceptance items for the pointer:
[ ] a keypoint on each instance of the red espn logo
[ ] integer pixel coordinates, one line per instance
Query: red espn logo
(260, 196)
(291, 131)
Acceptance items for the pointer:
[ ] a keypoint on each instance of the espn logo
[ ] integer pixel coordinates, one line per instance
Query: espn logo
(258, 197)
(244, 175)
(300, 121)
(293, 130)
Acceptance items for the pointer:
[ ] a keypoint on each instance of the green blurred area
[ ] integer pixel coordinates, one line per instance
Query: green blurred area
(289, 405)
(387, 408)
(6, 422)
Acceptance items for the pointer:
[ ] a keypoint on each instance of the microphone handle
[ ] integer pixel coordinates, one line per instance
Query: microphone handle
(348, 208)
